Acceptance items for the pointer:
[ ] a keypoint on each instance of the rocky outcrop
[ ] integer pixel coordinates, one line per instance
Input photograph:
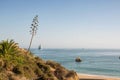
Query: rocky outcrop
(62, 73)
(78, 59)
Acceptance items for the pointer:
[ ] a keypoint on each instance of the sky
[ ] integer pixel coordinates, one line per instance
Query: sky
(62, 23)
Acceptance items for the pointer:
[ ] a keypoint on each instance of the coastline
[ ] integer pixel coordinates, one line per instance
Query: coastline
(95, 77)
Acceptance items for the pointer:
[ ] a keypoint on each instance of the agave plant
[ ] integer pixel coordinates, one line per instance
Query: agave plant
(8, 47)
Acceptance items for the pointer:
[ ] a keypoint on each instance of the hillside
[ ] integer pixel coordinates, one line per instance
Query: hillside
(19, 64)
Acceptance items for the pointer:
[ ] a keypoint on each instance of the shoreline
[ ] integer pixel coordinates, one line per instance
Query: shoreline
(83, 76)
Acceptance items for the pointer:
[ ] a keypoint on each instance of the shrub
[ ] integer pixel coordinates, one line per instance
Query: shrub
(43, 67)
(8, 47)
(53, 64)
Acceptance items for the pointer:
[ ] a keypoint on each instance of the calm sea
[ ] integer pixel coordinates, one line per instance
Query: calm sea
(94, 61)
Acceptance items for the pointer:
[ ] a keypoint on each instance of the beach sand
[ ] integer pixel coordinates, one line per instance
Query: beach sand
(95, 77)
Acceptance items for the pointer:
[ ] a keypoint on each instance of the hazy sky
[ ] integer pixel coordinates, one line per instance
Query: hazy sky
(62, 23)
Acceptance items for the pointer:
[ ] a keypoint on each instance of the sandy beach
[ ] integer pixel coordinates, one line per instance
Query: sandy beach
(95, 77)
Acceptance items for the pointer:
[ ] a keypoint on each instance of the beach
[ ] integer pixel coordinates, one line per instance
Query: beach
(96, 77)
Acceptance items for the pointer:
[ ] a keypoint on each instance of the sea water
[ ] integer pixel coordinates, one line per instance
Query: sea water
(94, 61)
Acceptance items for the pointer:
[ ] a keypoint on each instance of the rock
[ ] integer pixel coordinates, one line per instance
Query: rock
(78, 59)
(72, 76)
(1, 63)
(62, 73)
(14, 77)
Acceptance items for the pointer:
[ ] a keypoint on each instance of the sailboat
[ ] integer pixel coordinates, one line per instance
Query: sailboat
(39, 47)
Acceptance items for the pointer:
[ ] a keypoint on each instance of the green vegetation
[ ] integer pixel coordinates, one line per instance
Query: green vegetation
(16, 65)
(8, 47)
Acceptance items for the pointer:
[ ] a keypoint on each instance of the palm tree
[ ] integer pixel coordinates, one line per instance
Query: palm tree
(33, 29)
(8, 47)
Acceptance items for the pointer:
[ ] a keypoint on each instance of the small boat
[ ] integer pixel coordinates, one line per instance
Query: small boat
(39, 47)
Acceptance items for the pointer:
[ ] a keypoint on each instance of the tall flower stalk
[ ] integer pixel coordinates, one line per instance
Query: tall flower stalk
(33, 30)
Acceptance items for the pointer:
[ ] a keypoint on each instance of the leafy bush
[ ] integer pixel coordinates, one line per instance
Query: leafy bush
(53, 64)
(8, 47)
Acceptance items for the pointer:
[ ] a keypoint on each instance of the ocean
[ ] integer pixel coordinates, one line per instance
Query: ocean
(94, 61)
